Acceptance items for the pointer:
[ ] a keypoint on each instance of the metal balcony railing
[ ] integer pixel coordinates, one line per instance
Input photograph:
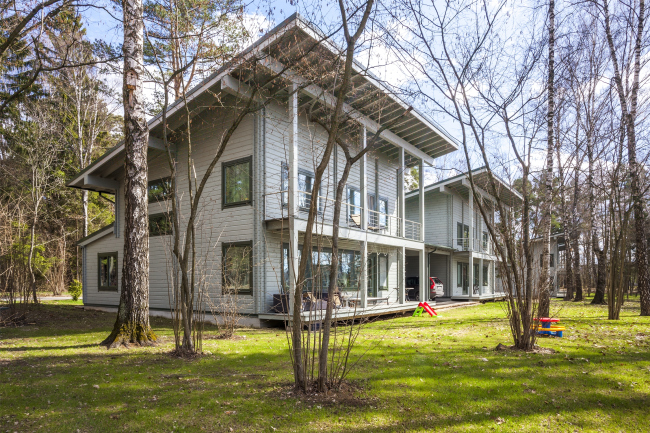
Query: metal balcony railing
(475, 245)
(275, 208)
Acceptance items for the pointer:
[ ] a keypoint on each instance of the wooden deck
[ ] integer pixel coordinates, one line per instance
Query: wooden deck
(381, 309)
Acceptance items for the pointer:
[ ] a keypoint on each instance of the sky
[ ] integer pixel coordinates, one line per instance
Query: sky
(103, 24)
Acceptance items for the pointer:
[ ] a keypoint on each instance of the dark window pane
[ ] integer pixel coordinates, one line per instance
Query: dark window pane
(159, 189)
(237, 268)
(160, 225)
(237, 183)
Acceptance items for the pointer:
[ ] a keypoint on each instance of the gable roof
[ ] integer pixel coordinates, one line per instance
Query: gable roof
(294, 41)
(460, 183)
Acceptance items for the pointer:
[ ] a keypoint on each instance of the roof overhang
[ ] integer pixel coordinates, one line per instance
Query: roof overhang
(482, 185)
(282, 57)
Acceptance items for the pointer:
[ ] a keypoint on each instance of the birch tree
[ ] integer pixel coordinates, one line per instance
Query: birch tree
(132, 323)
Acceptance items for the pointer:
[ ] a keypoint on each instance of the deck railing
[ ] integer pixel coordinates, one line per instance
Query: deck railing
(476, 245)
(276, 207)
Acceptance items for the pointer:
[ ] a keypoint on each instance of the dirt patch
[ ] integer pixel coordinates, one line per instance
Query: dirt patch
(349, 394)
(537, 349)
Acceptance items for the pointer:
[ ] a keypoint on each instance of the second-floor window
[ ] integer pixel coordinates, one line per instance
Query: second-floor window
(485, 241)
(354, 201)
(159, 189)
(305, 187)
(237, 182)
(462, 234)
(160, 224)
(383, 211)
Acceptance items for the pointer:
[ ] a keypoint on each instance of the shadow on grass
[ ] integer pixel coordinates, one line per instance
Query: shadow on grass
(408, 385)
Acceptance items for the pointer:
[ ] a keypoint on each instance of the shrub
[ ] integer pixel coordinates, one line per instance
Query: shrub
(75, 289)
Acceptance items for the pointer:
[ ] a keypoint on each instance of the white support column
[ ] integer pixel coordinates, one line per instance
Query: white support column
(480, 276)
(363, 168)
(493, 277)
(364, 218)
(470, 271)
(400, 193)
(293, 194)
(363, 281)
(424, 281)
(421, 200)
(401, 274)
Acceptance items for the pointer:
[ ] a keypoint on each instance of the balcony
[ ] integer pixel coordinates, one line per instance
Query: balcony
(276, 209)
(474, 245)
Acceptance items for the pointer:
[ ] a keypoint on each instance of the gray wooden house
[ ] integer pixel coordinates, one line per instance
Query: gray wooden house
(459, 249)
(255, 201)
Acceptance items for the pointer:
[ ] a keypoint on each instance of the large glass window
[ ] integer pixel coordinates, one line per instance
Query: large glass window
(237, 267)
(159, 189)
(160, 224)
(107, 267)
(485, 241)
(305, 186)
(237, 184)
(485, 275)
(476, 276)
(462, 233)
(383, 212)
(317, 273)
(354, 201)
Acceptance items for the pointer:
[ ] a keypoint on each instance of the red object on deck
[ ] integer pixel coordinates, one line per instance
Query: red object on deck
(427, 308)
(547, 320)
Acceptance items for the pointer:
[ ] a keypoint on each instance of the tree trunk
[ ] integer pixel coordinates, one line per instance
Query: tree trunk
(30, 259)
(132, 323)
(601, 281)
(84, 202)
(629, 118)
(577, 277)
(545, 280)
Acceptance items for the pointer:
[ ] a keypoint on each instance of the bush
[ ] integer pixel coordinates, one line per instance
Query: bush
(75, 289)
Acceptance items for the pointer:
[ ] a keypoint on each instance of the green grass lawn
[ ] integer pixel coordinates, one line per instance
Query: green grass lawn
(419, 374)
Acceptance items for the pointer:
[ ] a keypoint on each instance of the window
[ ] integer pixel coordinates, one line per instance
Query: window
(383, 272)
(159, 189)
(107, 267)
(354, 201)
(485, 275)
(373, 218)
(238, 267)
(459, 275)
(485, 241)
(285, 184)
(348, 275)
(237, 185)
(462, 235)
(476, 276)
(552, 261)
(160, 224)
(383, 212)
(305, 188)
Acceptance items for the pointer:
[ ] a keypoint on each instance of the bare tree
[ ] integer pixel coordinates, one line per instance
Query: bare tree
(626, 77)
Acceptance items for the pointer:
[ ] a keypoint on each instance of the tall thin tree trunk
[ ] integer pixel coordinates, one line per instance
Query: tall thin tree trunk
(629, 118)
(132, 323)
(545, 280)
(84, 202)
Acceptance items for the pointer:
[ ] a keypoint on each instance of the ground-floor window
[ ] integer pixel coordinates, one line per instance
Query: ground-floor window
(377, 273)
(237, 267)
(317, 276)
(485, 275)
(107, 267)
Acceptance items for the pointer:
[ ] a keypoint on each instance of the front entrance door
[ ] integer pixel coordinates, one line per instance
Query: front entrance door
(462, 277)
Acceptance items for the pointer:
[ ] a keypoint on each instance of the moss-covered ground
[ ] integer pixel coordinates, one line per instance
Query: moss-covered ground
(418, 374)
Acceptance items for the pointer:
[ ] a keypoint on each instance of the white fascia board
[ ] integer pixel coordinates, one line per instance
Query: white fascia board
(96, 236)
(329, 100)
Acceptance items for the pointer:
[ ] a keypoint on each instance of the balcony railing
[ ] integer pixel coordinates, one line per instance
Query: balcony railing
(275, 208)
(475, 245)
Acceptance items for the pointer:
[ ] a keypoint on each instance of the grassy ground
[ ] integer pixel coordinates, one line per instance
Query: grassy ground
(420, 374)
